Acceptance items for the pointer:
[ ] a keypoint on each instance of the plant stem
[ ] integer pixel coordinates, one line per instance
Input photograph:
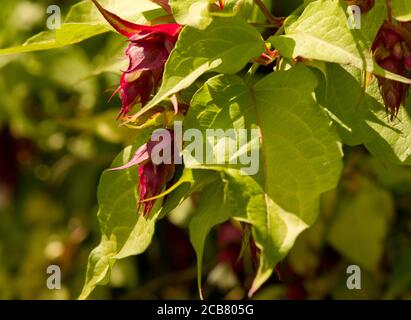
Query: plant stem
(253, 69)
(279, 32)
(297, 11)
(389, 10)
(263, 25)
(273, 20)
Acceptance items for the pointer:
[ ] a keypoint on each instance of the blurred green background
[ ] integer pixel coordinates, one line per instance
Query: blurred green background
(58, 133)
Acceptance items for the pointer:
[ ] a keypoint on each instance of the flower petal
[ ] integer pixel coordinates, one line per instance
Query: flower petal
(128, 29)
(141, 155)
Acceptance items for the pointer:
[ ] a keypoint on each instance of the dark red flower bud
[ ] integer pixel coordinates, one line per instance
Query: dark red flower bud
(390, 38)
(153, 177)
(406, 25)
(407, 56)
(381, 53)
(132, 92)
(397, 51)
(147, 53)
(393, 93)
(391, 64)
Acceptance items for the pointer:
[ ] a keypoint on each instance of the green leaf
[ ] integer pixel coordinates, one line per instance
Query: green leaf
(125, 232)
(395, 178)
(322, 33)
(361, 118)
(401, 10)
(43, 41)
(225, 46)
(300, 155)
(193, 13)
(257, 15)
(223, 103)
(349, 106)
(358, 231)
(102, 125)
(199, 13)
(190, 181)
(393, 138)
(400, 278)
(209, 214)
(82, 22)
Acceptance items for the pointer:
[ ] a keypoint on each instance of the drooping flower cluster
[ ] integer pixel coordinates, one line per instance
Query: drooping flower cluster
(148, 51)
(391, 49)
(152, 176)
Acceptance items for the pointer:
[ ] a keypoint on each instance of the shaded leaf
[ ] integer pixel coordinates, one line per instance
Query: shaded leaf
(209, 214)
(361, 118)
(191, 181)
(358, 231)
(400, 278)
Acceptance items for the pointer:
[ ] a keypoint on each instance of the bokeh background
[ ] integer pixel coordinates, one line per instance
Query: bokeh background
(58, 133)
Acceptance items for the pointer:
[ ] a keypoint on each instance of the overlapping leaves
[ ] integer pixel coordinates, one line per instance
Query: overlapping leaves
(225, 46)
(300, 156)
(200, 13)
(361, 118)
(323, 33)
(300, 116)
